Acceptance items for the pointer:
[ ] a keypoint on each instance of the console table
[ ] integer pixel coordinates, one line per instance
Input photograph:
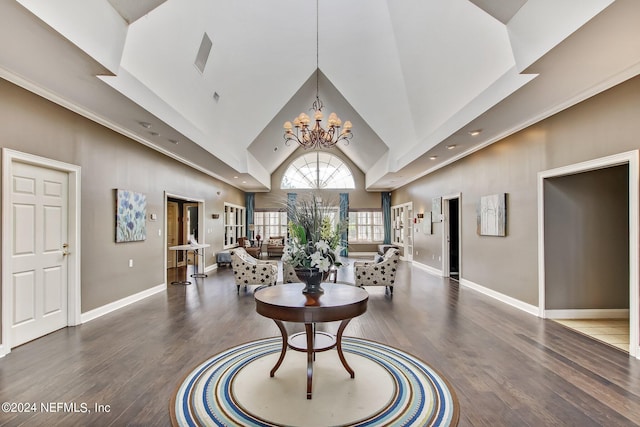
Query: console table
(286, 303)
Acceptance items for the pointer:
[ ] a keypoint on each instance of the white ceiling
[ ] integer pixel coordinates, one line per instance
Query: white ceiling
(412, 76)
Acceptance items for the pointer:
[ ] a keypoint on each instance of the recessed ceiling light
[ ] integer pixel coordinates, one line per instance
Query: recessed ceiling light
(275, 149)
(145, 125)
(216, 96)
(244, 182)
(174, 141)
(451, 147)
(153, 133)
(433, 157)
(475, 132)
(235, 177)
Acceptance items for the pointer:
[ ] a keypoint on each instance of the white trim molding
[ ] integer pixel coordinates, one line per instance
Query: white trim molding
(74, 277)
(427, 268)
(113, 306)
(629, 158)
(528, 308)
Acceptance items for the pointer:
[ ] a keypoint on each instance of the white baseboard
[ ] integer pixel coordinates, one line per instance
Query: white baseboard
(212, 267)
(427, 268)
(105, 309)
(2, 353)
(614, 313)
(531, 309)
(528, 308)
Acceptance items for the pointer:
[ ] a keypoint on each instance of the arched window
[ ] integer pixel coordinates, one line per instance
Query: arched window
(316, 170)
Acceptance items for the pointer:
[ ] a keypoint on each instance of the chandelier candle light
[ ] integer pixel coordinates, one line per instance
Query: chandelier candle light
(317, 136)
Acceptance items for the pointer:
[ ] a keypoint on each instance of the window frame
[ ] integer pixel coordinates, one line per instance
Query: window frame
(295, 170)
(261, 227)
(372, 216)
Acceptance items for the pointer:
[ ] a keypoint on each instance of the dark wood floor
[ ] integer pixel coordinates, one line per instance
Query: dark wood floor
(508, 368)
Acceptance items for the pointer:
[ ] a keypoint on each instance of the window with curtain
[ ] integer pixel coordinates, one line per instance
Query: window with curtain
(270, 223)
(366, 226)
(316, 170)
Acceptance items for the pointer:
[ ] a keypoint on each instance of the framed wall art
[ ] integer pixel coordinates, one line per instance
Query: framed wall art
(492, 215)
(131, 214)
(426, 223)
(436, 209)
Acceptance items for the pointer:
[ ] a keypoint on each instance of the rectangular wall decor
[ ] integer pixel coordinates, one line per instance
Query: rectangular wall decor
(426, 223)
(131, 214)
(492, 215)
(436, 209)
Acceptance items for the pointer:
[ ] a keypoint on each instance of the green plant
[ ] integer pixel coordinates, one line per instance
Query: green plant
(314, 242)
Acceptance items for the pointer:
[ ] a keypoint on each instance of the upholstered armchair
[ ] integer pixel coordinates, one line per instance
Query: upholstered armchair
(381, 273)
(275, 246)
(250, 271)
(289, 274)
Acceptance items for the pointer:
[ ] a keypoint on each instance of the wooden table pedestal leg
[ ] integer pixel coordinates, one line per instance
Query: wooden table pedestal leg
(285, 338)
(343, 325)
(308, 327)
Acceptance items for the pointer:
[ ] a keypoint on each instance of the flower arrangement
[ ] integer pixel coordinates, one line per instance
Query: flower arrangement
(313, 241)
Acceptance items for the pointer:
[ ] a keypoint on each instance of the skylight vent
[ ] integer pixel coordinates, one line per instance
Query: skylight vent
(203, 53)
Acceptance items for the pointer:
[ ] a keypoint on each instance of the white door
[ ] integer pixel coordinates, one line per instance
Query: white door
(172, 233)
(39, 282)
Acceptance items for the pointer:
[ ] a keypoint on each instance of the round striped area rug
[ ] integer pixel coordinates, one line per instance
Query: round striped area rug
(391, 387)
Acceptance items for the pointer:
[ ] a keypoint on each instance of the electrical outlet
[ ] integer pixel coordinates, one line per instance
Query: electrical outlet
(130, 263)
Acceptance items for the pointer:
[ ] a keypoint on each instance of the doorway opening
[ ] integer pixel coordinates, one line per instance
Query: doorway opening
(587, 242)
(451, 236)
(183, 219)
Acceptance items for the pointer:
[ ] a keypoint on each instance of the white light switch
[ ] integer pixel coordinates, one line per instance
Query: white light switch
(130, 263)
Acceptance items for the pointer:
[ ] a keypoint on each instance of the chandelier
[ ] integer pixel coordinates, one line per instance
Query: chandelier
(317, 136)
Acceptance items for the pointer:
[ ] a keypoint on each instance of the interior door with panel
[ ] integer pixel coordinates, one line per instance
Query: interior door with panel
(39, 266)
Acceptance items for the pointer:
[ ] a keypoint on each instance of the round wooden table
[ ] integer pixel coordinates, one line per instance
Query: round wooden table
(287, 303)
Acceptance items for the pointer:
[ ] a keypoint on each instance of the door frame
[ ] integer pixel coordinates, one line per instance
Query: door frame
(446, 253)
(10, 156)
(629, 158)
(200, 202)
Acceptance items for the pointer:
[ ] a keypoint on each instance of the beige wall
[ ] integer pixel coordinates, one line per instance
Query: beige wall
(603, 125)
(33, 125)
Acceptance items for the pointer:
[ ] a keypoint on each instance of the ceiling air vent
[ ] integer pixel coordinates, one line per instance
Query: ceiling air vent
(203, 53)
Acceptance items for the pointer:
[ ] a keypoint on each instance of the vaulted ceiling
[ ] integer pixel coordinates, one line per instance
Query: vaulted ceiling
(413, 76)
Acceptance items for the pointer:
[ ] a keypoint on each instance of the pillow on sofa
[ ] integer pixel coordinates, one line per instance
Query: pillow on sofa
(378, 258)
(247, 243)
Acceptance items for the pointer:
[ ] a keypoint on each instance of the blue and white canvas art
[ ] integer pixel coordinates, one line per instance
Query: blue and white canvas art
(131, 214)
